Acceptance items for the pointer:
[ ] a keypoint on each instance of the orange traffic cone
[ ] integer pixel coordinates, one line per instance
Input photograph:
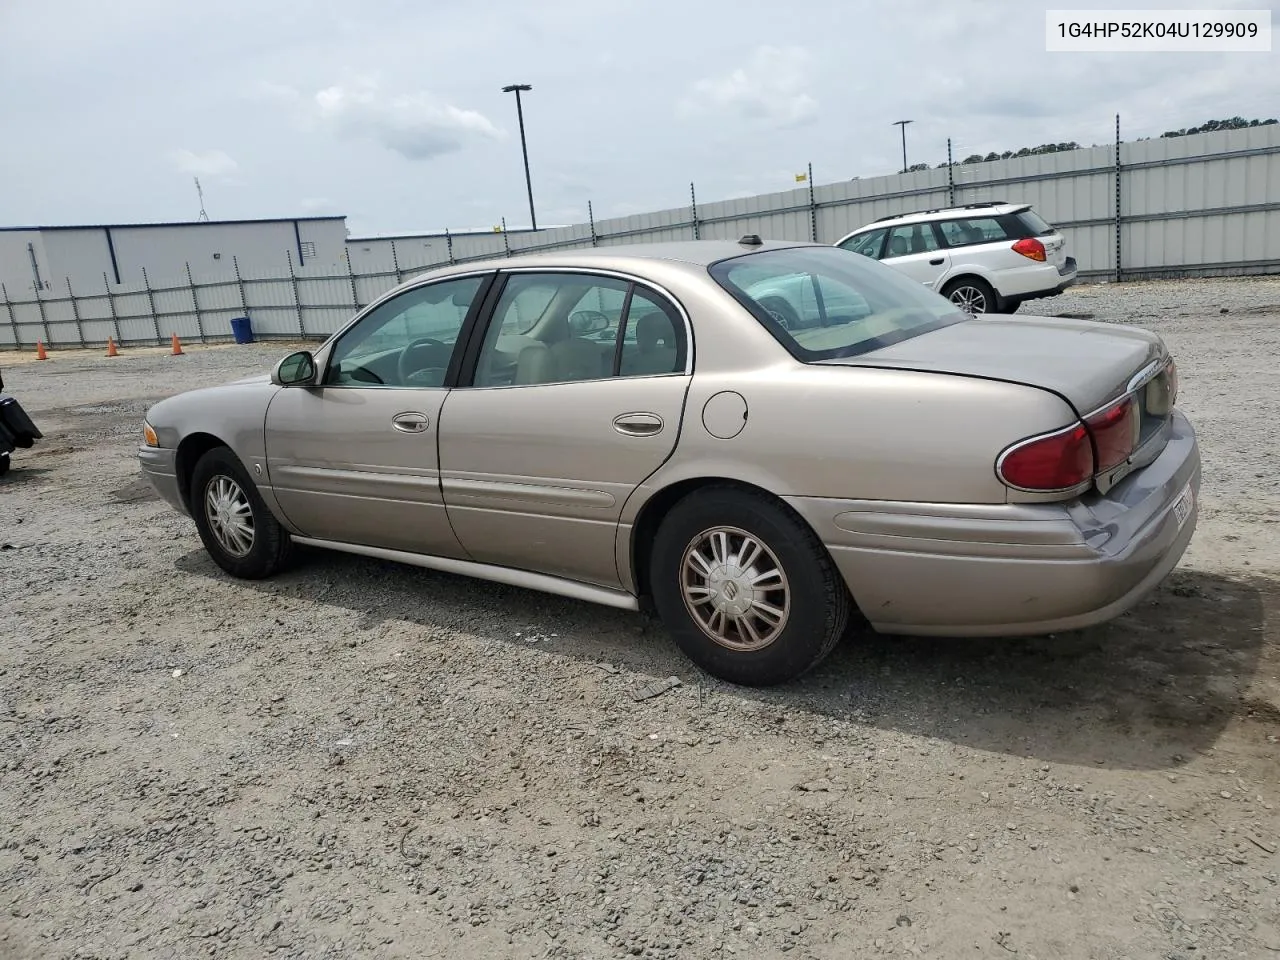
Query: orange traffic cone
(40, 351)
(177, 347)
(111, 348)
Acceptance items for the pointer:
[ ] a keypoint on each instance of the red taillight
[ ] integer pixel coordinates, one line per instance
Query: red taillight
(1115, 433)
(1031, 248)
(1058, 461)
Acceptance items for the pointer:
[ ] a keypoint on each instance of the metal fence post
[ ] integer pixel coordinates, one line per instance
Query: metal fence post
(75, 312)
(1118, 219)
(506, 244)
(151, 304)
(591, 219)
(297, 299)
(195, 303)
(951, 180)
(44, 320)
(813, 209)
(448, 239)
(13, 322)
(111, 303)
(395, 262)
(693, 206)
(351, 275)
(244, 304)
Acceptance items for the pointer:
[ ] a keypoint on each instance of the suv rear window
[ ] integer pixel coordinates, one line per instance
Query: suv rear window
(971, 230)
(823, 302)
(1035, 223)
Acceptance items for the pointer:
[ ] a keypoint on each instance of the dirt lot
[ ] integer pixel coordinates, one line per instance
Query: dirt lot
(364, 760)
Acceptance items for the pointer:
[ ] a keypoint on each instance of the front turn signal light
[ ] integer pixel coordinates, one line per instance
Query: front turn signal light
(149, 435)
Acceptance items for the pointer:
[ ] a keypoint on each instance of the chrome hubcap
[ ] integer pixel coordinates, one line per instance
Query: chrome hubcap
(969, 299)
(735, 589)
(230, 516)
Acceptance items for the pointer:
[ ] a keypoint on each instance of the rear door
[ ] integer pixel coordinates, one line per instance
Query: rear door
(562, 417)
(915, 250)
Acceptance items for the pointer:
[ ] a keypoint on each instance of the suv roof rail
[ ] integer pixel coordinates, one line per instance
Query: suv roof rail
(981, 204)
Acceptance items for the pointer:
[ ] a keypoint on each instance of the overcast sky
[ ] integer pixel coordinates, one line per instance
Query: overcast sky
(390, 111)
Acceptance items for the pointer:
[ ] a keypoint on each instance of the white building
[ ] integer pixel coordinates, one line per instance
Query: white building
(48, 256)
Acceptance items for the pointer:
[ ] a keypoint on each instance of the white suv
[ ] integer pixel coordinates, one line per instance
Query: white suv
(984, 257)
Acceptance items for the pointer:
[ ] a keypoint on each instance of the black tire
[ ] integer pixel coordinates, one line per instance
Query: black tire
(819, 604)
(972, 294)
(1010, 305)
(270, 543)
(782, 311)
(4, 464)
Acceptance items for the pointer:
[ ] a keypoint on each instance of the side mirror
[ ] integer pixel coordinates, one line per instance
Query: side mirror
(296, 369)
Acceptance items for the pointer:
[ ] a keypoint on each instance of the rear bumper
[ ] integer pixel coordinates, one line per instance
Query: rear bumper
(1015, 569)
(158, 466)
(1036, 281)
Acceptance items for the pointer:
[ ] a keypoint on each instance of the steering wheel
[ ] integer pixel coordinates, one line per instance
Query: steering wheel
(410, 368)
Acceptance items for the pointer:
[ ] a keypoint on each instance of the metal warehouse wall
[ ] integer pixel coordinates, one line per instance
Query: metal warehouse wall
(1203, 204)
(83, 255)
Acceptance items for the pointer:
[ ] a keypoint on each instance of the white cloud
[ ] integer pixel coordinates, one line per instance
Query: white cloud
(417, 126)
(210, 163)
(771, 88)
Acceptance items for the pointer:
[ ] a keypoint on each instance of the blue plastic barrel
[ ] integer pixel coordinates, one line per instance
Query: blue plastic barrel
(242, 329)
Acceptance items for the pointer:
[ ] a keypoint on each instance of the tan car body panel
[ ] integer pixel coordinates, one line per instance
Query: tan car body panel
(884, 464)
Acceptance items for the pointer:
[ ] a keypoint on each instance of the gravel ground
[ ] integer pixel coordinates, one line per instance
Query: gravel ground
(359, 759)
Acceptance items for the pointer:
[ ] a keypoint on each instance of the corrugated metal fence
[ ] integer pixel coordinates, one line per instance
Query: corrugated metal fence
(1206, 204)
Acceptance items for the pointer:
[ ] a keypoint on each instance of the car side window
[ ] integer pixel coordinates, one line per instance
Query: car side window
(868, 244)
(653, 340)
(407, 341)
(907, 239)
(973, 230)
(589, 328)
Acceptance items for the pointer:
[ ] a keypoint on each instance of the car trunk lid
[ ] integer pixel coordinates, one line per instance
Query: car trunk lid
(1086, 362)
(1092, 365)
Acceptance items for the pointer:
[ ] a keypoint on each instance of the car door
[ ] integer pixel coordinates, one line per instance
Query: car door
(915, 250)
(575, 398)
(354, 458)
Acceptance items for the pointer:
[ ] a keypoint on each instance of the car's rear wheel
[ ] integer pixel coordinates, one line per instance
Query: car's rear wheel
(972, 295)
(746, 588)
(1010, 305)
(235, 525)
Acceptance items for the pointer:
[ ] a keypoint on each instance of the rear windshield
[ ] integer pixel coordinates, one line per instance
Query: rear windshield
(1033, 222)
(823, 302)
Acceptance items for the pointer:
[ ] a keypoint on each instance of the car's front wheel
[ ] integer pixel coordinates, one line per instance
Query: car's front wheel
(235, 525)
(746, 589)
(973, 295)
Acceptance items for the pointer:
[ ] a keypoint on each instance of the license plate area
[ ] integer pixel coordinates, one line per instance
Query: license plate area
(1183, 505)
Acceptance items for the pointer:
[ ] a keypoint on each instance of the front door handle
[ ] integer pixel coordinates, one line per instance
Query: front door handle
(638, 424)
(410, 422)
(936, 263)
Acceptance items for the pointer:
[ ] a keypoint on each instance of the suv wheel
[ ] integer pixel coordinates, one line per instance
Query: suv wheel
(973, 295)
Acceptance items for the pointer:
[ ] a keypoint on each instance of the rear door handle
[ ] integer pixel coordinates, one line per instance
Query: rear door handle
(410, 422)
(638, 424)
(936, 263)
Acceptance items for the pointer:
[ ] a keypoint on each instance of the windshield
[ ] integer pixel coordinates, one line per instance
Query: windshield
(823, 302)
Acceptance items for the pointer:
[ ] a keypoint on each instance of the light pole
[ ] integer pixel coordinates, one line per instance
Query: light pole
(903, 125)
(516, 88)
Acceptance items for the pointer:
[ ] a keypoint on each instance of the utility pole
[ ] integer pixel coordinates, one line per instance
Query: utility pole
(903, 125)
(517, 88)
